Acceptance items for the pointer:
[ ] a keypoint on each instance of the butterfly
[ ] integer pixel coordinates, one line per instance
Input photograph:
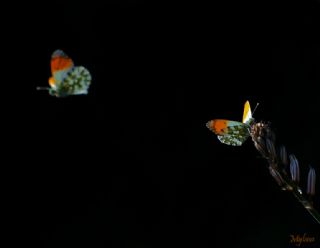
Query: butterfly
(233, 132)
(67, 79)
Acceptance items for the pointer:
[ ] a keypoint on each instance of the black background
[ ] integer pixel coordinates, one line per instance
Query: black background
(132, 164)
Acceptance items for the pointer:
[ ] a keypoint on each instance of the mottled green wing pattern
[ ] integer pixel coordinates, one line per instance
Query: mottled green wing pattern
(233, 140)
(235, 135)
(76, 82)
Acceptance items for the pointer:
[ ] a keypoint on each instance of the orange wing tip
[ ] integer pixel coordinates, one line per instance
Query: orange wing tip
(217, 126)
(60, 63)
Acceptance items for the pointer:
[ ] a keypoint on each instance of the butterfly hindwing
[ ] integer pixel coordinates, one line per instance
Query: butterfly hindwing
(234, 140)
(76, 81)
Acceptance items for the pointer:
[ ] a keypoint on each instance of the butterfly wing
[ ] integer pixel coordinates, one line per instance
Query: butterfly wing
(229, 132)
(247, 115)
(76, 81)
(233, 140)
(223, 127)
(61, 64)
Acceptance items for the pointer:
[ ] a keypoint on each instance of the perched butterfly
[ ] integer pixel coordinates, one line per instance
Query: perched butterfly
(67, 79)
(233, 132)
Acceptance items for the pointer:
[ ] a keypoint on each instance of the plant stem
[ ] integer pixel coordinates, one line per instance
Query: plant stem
(292, 186)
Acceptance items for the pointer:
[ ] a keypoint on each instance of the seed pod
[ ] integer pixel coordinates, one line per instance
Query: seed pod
(311, 186)
(294, 168)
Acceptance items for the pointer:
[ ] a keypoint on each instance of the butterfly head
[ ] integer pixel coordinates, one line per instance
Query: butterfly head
(57, 93)
(53, 89)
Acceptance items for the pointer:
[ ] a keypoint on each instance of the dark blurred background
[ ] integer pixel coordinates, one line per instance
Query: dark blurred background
(132, 164)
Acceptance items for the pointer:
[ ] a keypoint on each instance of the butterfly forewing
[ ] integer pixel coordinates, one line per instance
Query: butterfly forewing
(60, 61)
(229, 132)
(222, 127)
(61, 64)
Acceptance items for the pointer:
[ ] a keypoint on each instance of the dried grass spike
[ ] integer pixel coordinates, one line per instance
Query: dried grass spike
(271, 149)
(294, 168)
(283, 155)
(311, 187)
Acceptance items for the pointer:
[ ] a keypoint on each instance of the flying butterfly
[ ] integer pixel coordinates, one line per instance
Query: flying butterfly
(67, 79)
(233, 132)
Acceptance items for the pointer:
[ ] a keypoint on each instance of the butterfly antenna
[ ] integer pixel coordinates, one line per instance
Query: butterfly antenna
(255, 108)
(42, 88)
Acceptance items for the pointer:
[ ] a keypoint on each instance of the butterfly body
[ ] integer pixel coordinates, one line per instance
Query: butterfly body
(67, 79)
(233, 132)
